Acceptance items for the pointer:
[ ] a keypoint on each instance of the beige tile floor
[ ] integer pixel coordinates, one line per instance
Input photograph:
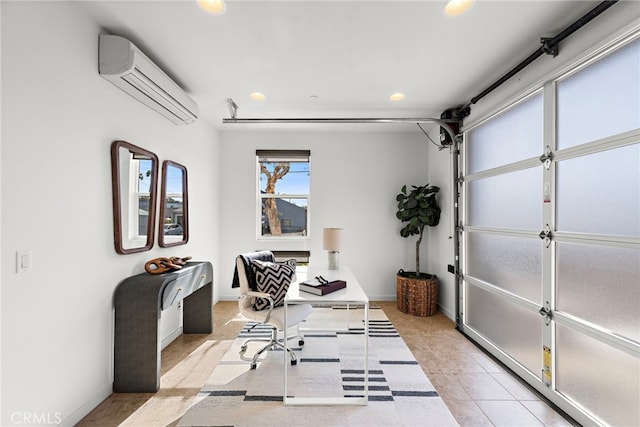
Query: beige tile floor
(477, 390)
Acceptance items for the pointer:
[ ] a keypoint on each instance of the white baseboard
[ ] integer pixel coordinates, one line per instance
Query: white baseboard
(106, 391)
(169, 338)
(87, 407)
(447, 313)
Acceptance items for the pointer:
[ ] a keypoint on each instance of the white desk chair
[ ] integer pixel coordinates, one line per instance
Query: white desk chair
(273, 315)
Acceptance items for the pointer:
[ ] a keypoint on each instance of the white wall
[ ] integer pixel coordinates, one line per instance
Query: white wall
(440, 239)
(59, 118)
(609, 25)
(355, 177)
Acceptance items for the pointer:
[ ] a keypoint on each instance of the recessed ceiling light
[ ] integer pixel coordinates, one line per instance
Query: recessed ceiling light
(258, 96)
(457, 7)
(214, 7)
(397, 96)
(314, 97)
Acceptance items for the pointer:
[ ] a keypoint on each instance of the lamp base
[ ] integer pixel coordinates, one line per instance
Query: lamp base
(334, 260)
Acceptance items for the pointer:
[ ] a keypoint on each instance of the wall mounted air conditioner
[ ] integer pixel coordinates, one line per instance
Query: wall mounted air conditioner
(127, 67)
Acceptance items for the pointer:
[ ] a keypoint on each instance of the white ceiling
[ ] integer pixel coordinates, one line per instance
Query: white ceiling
(350, 54)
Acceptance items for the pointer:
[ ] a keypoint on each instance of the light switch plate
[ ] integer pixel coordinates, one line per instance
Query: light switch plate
(23, 261)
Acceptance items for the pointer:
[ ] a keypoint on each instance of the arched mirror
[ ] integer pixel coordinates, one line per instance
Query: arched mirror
(174, 206)
(134, 177)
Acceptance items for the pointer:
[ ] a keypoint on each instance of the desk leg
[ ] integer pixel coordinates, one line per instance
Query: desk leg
(285, 366)
(366, 353)
(348, 323)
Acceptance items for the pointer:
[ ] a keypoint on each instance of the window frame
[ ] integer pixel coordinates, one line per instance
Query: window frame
(275, 156)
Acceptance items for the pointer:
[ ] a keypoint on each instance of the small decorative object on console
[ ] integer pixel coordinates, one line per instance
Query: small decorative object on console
(321, 286)
(162, 265)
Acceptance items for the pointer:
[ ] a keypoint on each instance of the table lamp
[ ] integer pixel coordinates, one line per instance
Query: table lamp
(332, 242)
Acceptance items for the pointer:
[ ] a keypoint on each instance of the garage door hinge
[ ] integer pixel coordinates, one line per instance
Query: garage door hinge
(546, 158)
(546, 312)
(546, 235)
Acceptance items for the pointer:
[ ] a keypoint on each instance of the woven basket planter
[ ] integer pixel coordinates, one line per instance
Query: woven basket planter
(418, 297)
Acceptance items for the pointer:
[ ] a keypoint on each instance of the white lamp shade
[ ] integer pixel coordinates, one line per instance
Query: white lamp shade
(332, 239)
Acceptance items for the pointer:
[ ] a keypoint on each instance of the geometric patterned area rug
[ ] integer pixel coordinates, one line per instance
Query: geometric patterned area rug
(329, 364)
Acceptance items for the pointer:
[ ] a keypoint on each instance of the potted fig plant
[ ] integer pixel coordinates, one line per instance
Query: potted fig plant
(417, 292)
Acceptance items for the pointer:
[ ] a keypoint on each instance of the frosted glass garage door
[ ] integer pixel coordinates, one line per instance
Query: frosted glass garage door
(551, 237)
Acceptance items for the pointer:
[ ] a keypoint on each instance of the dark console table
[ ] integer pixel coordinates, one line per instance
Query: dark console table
(138, 301)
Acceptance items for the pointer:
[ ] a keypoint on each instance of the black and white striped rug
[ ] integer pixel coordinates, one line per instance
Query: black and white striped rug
(330, 364)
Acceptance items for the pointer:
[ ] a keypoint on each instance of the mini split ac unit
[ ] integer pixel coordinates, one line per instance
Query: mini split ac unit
(127, 67)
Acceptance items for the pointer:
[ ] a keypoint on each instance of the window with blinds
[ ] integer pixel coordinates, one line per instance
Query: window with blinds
(283, 193)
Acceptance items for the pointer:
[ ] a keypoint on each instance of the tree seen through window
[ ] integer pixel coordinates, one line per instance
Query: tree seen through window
(284, 193)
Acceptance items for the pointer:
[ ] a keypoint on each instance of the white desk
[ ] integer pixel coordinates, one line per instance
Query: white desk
(352, 294)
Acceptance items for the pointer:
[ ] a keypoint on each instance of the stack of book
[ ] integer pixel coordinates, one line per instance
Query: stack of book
(321, 286)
